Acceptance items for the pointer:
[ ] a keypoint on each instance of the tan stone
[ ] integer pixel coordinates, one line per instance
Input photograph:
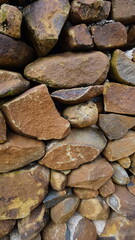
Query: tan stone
(77, 95)
(81, 146)
(109, 35)
(5, 227)
(89, 11)
(54, 231)
(125, 162)
(58, 180)
(3, 135)
(119, 98)
(120, 148)
(64, 210)
(122, 201)
(115, 126)
(91, 175)
(81, 115)
(94, 208)
(10, 21)
(132, 157)
(44, 21)
(22, 191)
(40, 119)
(85, 193)
(120, 175)
(107, 189)
(123, 11)
(18, 151)
(67, 70)
(131, 185)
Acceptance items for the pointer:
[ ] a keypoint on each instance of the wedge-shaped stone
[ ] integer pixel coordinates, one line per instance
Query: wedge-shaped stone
(115, 126)
(91, 175)
(3, 128)
(122, 68)
(34, 114)
(81, 146)
(107, 189)
(120, 175)
(67, 70)
(123, 147)
(119, 98)
(44, 21)
(58, 180)
(6, 226)
(55, 231)
(22, 191)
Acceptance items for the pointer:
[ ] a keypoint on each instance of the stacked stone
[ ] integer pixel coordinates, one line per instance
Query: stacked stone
(67, 120)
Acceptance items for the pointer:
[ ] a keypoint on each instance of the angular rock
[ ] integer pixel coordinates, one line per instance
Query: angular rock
(5, 227)
(131, 36)
(131, 185)
(58, 180)
(44, 21)
(19, 151)
(12, 83)
(10, 21)
(123, 11)
(125, 162)
(77, 95)
(81, 228)
(122, 201)
(81, 115)
(122, 68)
(120, 175)
(67, 70)
(14, 54)
(85, 193)
(115, 126)
(120, 148)
(91, 175)
(119, 98)
(18, 199)
(54, 197)
(64, 210)
(94, 208)
(55, 231)
(109, 35)
(40, 119)
(3, 135)
(89, 11)
(107, 189)
(81, 146)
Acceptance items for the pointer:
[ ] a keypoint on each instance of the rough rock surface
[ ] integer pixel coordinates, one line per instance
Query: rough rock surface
(85, 193)
(120, 175)
(6, 226)
(107, 189)
(3, 128)
(58, 180)
(131, 185)
(55, 231)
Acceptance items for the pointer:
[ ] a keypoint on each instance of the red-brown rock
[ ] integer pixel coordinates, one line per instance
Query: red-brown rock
(5, 227)
(3, 134)
(107, 189)
(54, 231)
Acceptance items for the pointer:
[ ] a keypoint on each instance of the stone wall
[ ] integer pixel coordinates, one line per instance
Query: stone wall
(67, 120)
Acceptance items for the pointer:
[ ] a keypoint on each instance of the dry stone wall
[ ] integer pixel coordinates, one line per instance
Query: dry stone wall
(67, 120)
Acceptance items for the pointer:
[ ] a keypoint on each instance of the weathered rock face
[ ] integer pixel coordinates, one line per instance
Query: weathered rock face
(85, 193)
(119, 98)
(81, 146)
(40, 119)
(107, 189)
(58, 180)
(19, 151)
(6, 226)
(55, 231)
(91, 175)
(120, 175)
(3, 135)
(18, 199)
(68, 70)
(44, 21)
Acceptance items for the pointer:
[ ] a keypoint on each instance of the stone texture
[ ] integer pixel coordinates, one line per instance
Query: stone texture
(107, 189)
(123, 202)
(3, 135)
(81, 146)
(91, 175)
(132, 158)
(89, 11)
(125, 162)
(109, 35)
(81, 115)
(12, 83)
(131, 36)
(123, 11)
(134, 56)
(22, 191)
(64, 210)
(119, 98)
(120, 148)
(81, 228)
(115, 126)
(131, 185)
(5, 227)
(14, 54)
(18, 151)
(120, 175)
(44, 21)
(67, 70)
(14, 235)
(40, 119)
(85, 193)
(94, 208)
(55, 231)
(10, 21)
(77, 95)
(122, 68)
(100, 225)
(58, 180)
